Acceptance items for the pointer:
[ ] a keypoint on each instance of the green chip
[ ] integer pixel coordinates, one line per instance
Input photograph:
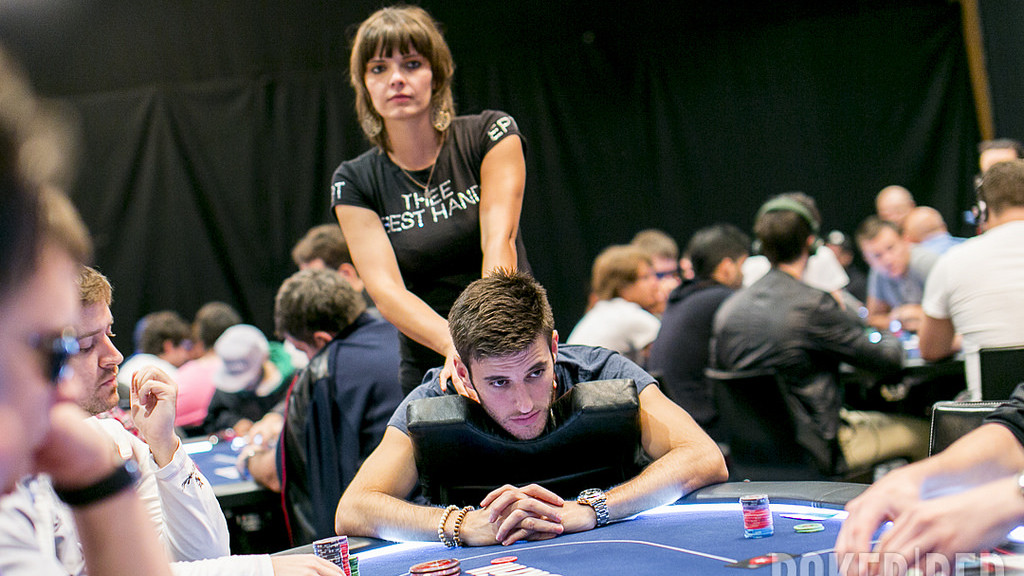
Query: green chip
(809, 527)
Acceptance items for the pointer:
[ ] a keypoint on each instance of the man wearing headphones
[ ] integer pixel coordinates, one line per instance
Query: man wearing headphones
(781, 323)
(976, 289)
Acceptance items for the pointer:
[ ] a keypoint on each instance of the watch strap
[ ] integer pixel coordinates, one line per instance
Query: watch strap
(596, 499)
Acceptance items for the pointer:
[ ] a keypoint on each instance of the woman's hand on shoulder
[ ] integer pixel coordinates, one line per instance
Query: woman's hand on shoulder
(450, 374)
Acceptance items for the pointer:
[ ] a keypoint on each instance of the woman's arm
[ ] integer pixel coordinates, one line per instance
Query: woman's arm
(377, 265)
(502, 181)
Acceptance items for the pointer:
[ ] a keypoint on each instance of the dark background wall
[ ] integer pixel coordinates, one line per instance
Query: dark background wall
(210, 129)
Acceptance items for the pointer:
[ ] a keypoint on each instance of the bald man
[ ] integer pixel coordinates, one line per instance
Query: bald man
(894, 203)
(925, 227)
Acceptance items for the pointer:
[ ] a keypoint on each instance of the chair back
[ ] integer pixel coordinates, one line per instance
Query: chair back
(1001, 370)
(951, 420)
(462, 454)
(760, 428)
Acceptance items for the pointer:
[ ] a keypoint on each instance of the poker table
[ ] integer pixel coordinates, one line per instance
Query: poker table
(253, 513)
(700, 534)
(216, 460)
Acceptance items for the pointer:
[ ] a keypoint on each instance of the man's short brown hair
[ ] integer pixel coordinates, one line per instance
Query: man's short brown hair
(500, 315)
(1002, 186)
(159, 327)
(212, 319)
(325, 242)
(872, 226)
(93, 287)
(312, 301)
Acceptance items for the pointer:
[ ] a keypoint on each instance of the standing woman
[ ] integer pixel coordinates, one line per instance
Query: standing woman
(435, 203)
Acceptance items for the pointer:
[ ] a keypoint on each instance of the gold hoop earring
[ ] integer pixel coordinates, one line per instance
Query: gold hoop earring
(442, 119)
(372, 125)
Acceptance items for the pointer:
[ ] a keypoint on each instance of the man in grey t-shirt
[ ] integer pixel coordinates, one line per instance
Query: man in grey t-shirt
(897, 277)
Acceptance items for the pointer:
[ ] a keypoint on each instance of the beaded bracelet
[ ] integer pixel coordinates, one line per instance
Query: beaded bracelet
(458, 524)
(440, 527)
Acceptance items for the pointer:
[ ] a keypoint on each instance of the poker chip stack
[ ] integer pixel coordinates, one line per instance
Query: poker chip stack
(757, 516)
(353, 565)
(447, 567)
(335, 550)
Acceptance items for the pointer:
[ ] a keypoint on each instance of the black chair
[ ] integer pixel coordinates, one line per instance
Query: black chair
(1001, 370)
(760, 429)
(951, 420)
(462, 454)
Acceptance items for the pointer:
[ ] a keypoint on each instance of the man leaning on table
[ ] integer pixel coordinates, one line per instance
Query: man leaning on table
(503, 329)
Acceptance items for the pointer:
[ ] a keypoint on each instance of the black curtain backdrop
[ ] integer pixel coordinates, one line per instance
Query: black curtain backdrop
(1003, 22)
(210, 129)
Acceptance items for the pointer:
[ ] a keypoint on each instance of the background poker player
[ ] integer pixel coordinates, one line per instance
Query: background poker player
(503, 328)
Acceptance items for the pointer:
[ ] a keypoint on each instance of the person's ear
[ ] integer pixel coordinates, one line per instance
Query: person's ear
(321, 339)
(348, 271)
(462, 371)
(554, 344)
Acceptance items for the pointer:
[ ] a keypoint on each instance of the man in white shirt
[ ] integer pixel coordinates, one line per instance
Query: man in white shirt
(976, 289)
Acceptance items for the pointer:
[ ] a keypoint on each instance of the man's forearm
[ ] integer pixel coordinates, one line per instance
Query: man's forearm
(667, 479)
(381, 516)
(988, 452)
(102, 527)
(262, 466)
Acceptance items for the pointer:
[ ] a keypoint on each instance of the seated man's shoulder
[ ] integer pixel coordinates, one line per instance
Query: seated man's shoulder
(579, 363)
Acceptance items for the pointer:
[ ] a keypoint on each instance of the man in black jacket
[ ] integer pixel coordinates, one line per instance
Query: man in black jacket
(680, 353)
(338, 406)
(781, 323)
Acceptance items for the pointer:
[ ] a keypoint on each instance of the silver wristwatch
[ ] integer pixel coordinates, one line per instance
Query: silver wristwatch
(594, 497)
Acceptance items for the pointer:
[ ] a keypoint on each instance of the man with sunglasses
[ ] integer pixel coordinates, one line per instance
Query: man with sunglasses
(179, 500)
(42, 241)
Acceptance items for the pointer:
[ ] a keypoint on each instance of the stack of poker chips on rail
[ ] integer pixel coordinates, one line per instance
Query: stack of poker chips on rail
(447, 567)
(335, 550)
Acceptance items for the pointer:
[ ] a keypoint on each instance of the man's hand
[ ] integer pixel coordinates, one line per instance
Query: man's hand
(73, 453)
(529, 513)
(966, 522)
(153, 397)
(883, 501)
(266, 431)
(242, 427)
(910, 316)
(304, 565)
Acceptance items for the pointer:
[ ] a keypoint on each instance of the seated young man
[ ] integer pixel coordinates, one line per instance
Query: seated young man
(503, 330)
(339, 406)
